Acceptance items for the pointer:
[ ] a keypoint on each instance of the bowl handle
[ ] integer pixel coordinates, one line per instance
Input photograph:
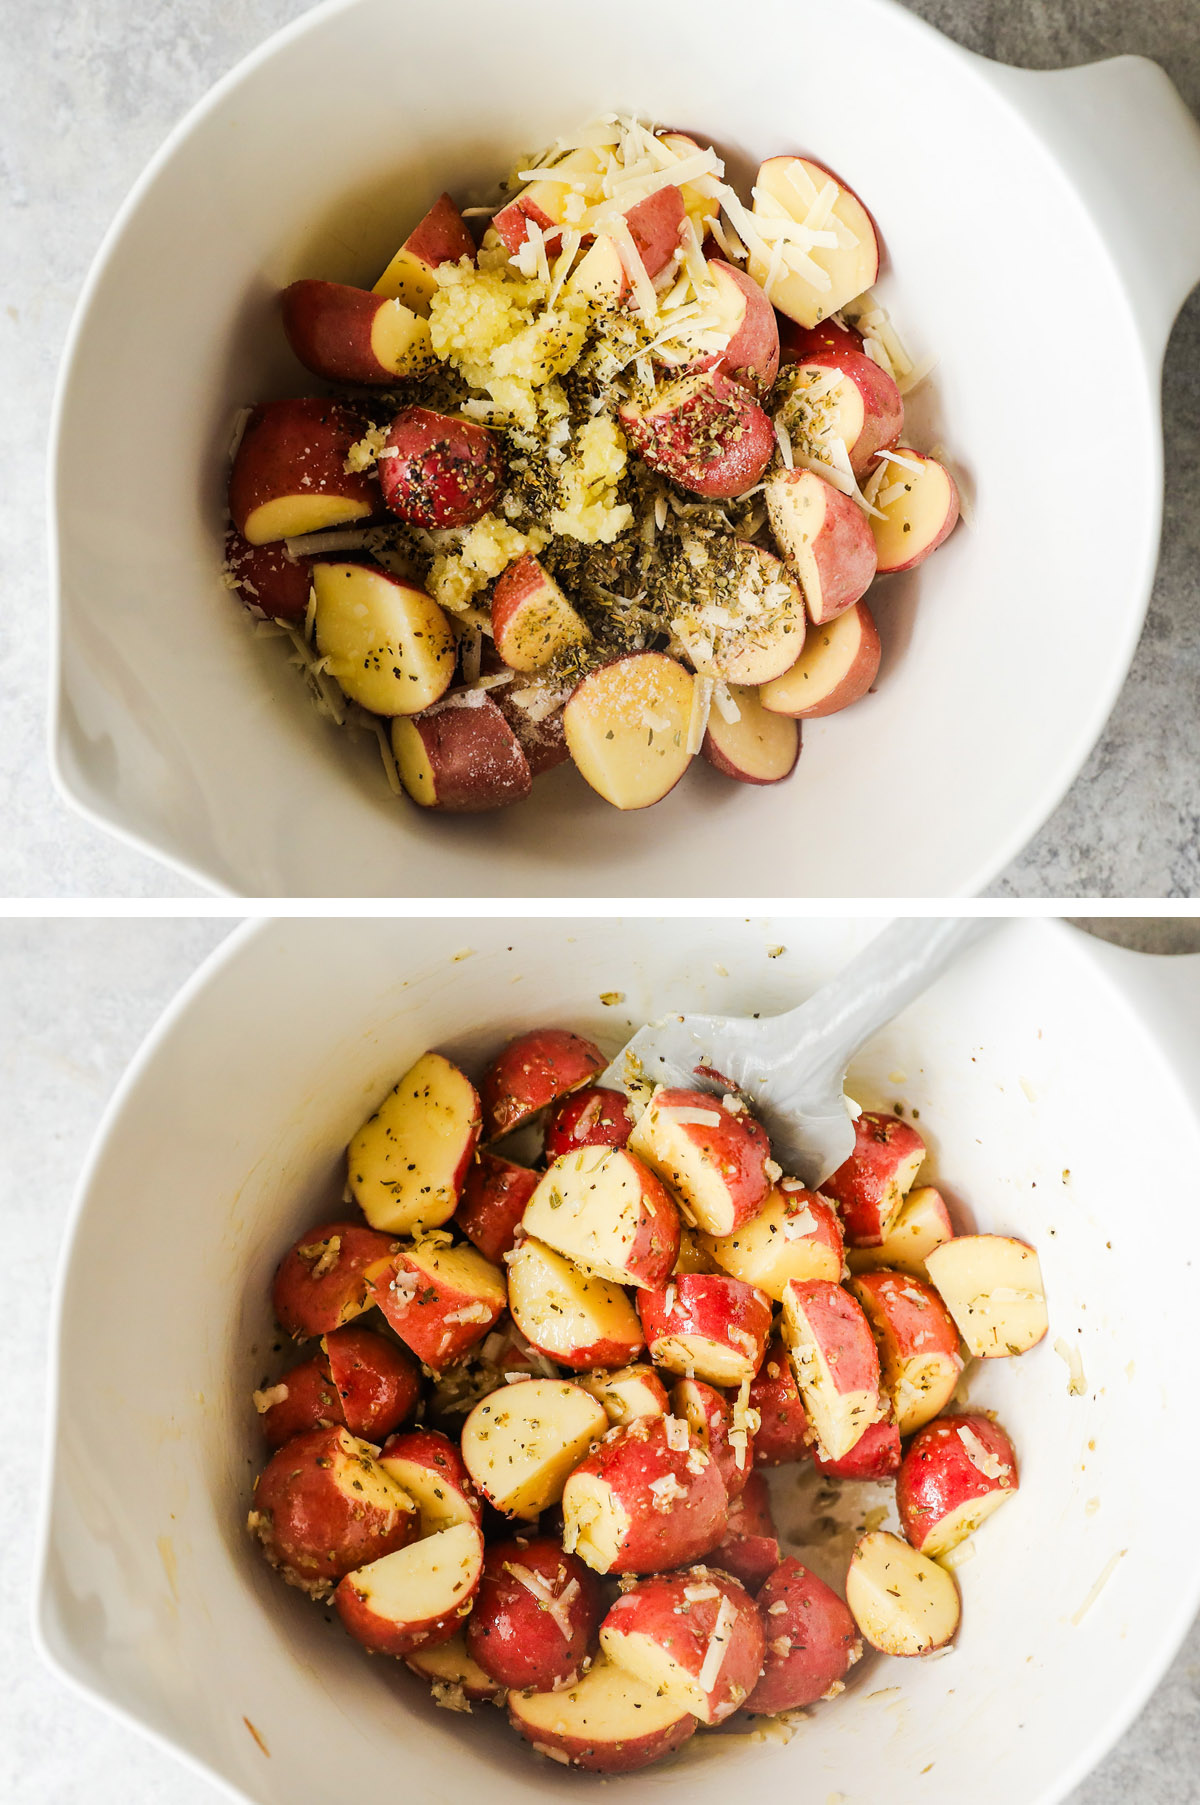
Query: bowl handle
(1128, 143)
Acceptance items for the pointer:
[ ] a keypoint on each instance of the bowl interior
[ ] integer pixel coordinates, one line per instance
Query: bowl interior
(226, 1145)
(177, 727)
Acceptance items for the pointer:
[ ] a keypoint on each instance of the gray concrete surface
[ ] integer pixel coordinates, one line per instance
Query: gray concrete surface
(88, 91)
(76, 998)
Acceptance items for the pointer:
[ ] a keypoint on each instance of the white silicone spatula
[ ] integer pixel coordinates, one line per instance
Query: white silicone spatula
(792, 1067)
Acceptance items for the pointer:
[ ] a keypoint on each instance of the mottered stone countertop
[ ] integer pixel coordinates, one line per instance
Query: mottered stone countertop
(76, 999)
(88, 91)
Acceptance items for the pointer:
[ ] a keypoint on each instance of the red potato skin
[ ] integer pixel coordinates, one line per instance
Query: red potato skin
(654, 225)
(544, 742)
(752, 354)
(439, 471)
(738, 1148)
(309, 1531)
(380, 1635)
(823, 1637)
(838, 1323)
(650, 1256)
(875, 1455)
(656, 1607)
(377, 1382)
(477, 760)
(908, 1316)
(863, 1187)
(783, 1433)
(843, 550)
(431, 1449)
(707, 1305)
(629, 1459)
(311, 1403)
(603, 1113)
(937, 1477)
(797, 344)
(625, 1757)
(536, 1068)
(307, 1305)
(856, 680)
(513, 1636)
(492, 1202)
(421, 1323)
(750, 1550)
(441, 236)
(712, 752)
(297, 447)
(882, 403)
(265, 577)
(328, 325)
(718, 414)
(710, 1419)
(948, 525)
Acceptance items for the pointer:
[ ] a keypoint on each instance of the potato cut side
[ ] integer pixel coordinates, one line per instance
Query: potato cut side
(592, 1207)
(627, 728)
(756, 747)
(904, 1603)
(577, 1319)
(963, 1521)
(814, 282)
(608, 1721)
(922, 1224)
(441, 1503)
(406, 1163)
(425, 1580)
(837, 667)
(920, 509)
(920, 1386)
(400, 339)
(291, 516)
(596, 1522)
(387, 643)
(650, 1662)
(451, 1664)
(794, 1236)
(753, 627)
(521, 1444)
(360, 1478)
(629, 1392)
(700, 1357)
(992, 1287)
(838, 1410)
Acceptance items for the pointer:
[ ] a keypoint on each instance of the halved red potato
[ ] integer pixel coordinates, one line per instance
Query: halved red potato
(536, 1068)
(825, 540)
(493, 1199)
(437, 470)
(532, 620)
(267, 577)
(654, 225)
(706, 432)
(408, 1161)
(992, 1287)
(592, 1117)
(904, 1603)
(923, 1223)
(536, 1614)
(607, 1722)
(744, 312)
(607, 1213)
(714, 1158)
(324, 1281)
(695, 1636)
(323, 1506)
(837, 667)
(836, 1363)
(345, 334)
(440, 237)
(289, 475)
(572, 1317)
(629, 1392)
(796, 343)
(646, 1498)
(750, 1549)
(543, 739)
(875, 1455)
(920, 508)
(377, 1383)
(795, 1235)
(440, 1299)
(783, 1434)
(871, 1185)
(817, 279)
(304, 1398)
(955, 1473)
(415, 1597)
(710, 1423)
(627, 724)
(386, 642)
(843, 394)
(431, 1470)
(707, 1326)
(756, 631)
(812, 1641)
(450, 1670)
(757, 747)
(521, 1444)
(461, 756)
(544, 201)
(917, 1341)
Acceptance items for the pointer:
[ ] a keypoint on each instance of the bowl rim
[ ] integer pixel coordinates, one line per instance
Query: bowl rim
(1102, 969)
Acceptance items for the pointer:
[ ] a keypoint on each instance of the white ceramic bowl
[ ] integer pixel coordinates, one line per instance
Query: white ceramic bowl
(1042, 231)
(1057, 1082)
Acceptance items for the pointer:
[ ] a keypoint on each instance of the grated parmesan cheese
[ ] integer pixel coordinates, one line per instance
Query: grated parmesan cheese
(714, 1654)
